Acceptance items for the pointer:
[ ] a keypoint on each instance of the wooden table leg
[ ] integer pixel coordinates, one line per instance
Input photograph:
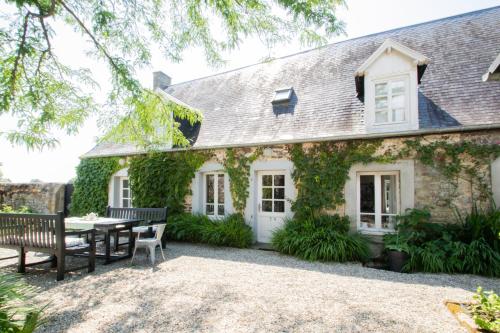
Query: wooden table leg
(107, 243)
(131, 242)
(22, 261)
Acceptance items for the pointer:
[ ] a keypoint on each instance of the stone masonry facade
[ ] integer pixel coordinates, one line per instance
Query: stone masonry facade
(432, 189)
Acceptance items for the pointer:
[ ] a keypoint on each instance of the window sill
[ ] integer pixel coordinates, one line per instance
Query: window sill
(376, 232)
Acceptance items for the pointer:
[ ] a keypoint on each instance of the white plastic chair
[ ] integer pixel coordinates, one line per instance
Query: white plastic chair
(150, 243)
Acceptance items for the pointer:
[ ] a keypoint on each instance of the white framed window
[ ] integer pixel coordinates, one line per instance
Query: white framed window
(378, 200)
(125, 193)
(391, 100)
(214, 203)
(272, 193)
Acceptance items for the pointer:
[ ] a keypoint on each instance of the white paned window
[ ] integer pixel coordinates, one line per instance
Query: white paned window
(125, 193)
(273, 193)
(214, 194)
(391, 101)
(378, 200)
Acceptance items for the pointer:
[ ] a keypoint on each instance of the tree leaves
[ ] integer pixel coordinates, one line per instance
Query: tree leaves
(44, 94)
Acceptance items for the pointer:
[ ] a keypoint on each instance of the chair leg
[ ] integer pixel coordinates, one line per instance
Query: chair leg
(21, 267)
(53, 263)
(161, 250)
(60, 267)
(133, 255)
(152, 253)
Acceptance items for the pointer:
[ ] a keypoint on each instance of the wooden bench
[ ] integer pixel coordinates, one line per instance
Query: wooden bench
(150, 217)
(46, 234)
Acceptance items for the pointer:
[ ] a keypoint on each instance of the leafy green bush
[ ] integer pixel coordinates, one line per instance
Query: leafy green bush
(325, 239)
(16, 315)
(229, 231)
(486, 310)
(9, 209)
(91, 185)
(468, 246)
(162, 179)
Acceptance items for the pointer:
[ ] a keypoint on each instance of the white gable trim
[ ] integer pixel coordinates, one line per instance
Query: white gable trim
(388, 46)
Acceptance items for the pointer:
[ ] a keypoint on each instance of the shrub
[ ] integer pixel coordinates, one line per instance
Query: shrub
(229, 231)
(325, 239)
(9, 209)
(486, 310)
(16, 315)
(468, 246)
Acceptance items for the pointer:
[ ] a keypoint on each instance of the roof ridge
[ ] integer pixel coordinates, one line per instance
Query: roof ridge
(475, 12)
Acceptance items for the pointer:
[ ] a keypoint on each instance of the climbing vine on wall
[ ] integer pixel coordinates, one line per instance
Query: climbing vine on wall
(162, 179)
(322, 170)
(91, 185)
(464, 160)
(237, 165)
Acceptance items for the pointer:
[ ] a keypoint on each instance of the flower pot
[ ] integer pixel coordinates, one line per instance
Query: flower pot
(397, 260)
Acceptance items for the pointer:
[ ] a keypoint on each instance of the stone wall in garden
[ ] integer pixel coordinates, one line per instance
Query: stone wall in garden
(44, 198)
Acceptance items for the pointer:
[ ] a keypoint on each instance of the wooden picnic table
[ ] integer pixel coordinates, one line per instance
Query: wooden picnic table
(107, 226)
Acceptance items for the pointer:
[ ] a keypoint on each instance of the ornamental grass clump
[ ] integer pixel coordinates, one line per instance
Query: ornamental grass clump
(16, 313)
(471, 245)
(325, 238)
(230, 231)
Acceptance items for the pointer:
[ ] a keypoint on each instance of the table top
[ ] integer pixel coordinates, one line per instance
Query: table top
(99, 223)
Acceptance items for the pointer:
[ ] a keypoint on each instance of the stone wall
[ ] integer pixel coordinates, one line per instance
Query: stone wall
(43, 198)
(432, 190)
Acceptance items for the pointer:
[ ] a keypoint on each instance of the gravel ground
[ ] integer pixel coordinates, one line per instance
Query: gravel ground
(205, 289)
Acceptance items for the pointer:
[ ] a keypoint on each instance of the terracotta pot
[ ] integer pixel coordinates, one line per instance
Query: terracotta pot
(397, 260)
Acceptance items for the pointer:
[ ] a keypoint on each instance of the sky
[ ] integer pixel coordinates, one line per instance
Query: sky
(362, 17)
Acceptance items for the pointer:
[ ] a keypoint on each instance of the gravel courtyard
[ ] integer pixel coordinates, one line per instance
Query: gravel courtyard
(205, 289)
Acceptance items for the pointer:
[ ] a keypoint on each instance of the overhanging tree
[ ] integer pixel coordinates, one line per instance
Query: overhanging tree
(44, 94)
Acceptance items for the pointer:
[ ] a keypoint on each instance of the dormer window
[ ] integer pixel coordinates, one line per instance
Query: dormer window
(390, 101)
(283, 95)
(387, 83)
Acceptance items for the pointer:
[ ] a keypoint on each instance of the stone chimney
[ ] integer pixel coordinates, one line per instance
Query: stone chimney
(161, 80)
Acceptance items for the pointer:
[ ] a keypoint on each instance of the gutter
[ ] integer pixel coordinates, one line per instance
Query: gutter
(420, 132)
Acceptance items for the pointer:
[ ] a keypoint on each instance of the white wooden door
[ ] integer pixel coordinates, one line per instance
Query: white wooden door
(272, 207)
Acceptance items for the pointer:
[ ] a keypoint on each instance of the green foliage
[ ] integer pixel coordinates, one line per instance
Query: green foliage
(17, 315)
(468, 246)
(163, 179)
(325, 239)
(456, 160)
(321, 172)
(9, 209)
(91, 185)
(150, 112)
(486, 310)
(230, 231)
(237, 166)
(44, 94)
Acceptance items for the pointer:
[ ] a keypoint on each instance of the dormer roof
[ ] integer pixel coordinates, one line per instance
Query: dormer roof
(388, 46)
(493, 73)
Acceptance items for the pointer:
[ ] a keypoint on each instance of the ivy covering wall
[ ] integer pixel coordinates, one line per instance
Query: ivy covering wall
(237, 165)
(163, 179)
(91, 185)
(321, 171)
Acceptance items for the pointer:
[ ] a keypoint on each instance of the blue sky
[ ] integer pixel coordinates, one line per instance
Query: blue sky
(362, 17)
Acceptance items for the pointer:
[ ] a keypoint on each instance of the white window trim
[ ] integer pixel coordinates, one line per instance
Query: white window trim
(378, 200)
(121, 179)
(216, 194)
(406, 169)
(389, 79)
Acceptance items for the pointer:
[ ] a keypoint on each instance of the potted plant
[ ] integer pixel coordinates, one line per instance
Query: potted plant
(397, 251)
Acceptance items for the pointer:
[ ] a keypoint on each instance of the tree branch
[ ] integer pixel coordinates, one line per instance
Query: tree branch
(19, 55)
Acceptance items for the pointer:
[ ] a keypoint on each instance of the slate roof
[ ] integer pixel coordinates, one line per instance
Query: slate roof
(237, 105)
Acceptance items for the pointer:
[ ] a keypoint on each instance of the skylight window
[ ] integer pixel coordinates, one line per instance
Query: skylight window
(282, 95)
